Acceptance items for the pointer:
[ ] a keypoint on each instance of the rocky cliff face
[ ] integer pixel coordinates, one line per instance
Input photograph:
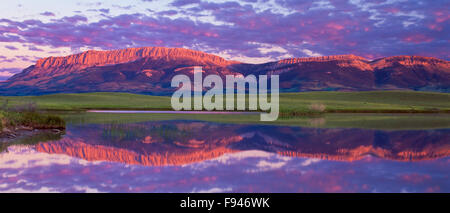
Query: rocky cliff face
(353, 73)
(56, 66)
(101, 58)
(410, 61)
(150, 70)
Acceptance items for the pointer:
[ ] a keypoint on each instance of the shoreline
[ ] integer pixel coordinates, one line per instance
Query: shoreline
(24, 132)
(17, 124)
(168, 110)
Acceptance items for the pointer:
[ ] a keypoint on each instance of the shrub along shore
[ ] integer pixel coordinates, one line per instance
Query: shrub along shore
(14, 123)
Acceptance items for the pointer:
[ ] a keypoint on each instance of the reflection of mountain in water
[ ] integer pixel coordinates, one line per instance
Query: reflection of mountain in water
(31, 138)
(182, 142)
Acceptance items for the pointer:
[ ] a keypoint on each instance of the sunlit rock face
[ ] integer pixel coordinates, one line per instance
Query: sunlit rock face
(165, 143)
(100, 58)
(354, 73)
(150, 70)
(412, 72)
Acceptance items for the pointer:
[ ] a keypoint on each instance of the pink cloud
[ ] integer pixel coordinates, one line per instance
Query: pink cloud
(418, 38)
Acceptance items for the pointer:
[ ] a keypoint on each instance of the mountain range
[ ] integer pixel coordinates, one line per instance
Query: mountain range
(149, 70)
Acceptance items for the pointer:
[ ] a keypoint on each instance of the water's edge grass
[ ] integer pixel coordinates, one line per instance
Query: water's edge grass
(13, 123)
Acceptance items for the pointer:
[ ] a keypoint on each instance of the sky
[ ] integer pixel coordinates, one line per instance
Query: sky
(252, 31)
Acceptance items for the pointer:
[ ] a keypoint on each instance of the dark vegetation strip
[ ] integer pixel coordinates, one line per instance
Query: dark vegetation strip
(26, 117)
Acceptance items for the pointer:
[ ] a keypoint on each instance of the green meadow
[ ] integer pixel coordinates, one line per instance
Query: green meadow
(291, 104)
(84, 101)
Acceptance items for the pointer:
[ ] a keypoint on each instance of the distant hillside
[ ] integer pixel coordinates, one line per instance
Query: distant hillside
(149, 70)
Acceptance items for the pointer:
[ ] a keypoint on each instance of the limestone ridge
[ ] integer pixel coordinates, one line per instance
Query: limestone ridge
(149, 70)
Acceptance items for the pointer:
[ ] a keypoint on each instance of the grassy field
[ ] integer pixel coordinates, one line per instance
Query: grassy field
(291, 104)
(374, 101)
(10, 120)
(83, 101)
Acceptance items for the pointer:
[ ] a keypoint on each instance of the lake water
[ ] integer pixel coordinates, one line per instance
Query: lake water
(124, 153)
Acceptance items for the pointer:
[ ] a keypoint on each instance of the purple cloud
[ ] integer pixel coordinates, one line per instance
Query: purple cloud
(26, 58)
(74, 19)
(104, 10)
(371, 29)
(179, 3)
(168, 12)
(11, 70)
(11, 47)
(6, 73)
(4, 59)
(47, 14)
(33, 48)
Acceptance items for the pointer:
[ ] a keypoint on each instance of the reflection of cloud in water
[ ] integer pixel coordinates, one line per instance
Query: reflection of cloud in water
(20, 157)
(184, 156)
(310, 161)
(41, 172)
(213, 190)
(183, 142)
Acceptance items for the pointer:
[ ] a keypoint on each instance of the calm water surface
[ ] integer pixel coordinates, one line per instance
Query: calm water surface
(205, 156)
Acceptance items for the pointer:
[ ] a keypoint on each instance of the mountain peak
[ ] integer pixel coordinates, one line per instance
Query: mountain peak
(407, 60)
(96, 58)
(322, 59)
